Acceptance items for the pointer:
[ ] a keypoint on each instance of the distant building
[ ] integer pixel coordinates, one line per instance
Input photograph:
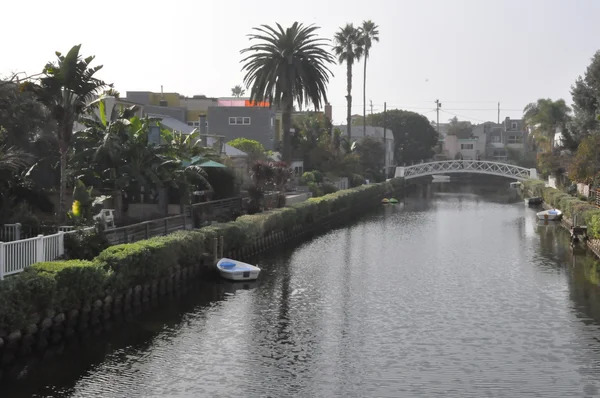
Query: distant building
(254, 123)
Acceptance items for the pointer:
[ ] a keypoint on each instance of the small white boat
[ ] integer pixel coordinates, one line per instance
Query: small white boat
(236, 270)
(550, 215)
(515, 184)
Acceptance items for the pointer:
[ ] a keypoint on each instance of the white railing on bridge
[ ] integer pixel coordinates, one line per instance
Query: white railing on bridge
(466, 166)
(17, 255)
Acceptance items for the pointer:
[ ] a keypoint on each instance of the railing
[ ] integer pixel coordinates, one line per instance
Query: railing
(466, 166)
(10, 232)
(17, 255)
(206, 211)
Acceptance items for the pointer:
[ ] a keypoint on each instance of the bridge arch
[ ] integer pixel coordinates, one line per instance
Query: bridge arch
(466, 166)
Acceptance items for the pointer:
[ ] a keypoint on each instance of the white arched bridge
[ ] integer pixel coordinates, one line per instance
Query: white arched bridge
(466, 166)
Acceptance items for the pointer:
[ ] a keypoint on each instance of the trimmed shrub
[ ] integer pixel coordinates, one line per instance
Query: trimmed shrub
(24, 295)
(77, 281)
(141, 262)
(84, 245)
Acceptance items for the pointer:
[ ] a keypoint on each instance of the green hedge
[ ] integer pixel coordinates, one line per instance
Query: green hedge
(586, 213)
(63, 285)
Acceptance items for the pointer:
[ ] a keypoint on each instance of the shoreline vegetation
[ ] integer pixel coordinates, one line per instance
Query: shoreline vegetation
(50, 301)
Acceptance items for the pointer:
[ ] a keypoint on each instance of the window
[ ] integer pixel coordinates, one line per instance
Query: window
(514, 139)
(495, 138)
(194, 124)
(239, 120)
(466, 146)
(513, 125)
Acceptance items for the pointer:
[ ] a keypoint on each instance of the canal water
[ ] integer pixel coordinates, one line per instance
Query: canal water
(454, 292)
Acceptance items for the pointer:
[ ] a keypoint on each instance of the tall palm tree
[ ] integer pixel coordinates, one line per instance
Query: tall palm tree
(370, 34)
(544, 116)
(287, 65)
(65, 88)
(238, 91)
(349, 48)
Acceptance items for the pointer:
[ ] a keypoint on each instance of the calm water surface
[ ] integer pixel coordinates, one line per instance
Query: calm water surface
(456, 292)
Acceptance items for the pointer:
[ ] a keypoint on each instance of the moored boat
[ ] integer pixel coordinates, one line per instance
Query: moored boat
(536, 200)
(440, 178)
(385, 201)
(234, 270)
(550, 215)
(393, 201)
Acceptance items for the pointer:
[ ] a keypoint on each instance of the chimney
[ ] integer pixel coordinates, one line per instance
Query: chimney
(203, 127)
(328, 111)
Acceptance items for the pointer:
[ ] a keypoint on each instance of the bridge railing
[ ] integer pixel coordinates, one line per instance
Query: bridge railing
(466, 166)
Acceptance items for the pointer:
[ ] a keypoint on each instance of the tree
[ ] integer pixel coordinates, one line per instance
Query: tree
(585, 165)
(287, 65)
(370, 34)
(414, 137)
(461, 129)
(371, 154)
(349, 48)
(238, 91)
(254, 149)
(544, 117)
(586, 103)
(65, 88)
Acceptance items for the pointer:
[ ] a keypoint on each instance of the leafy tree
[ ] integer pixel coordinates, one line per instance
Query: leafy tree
(544, 117)
(586, 102)
(349, 48)
(461, 129)
(414, 137)
(370, 34)
(283, 53)
(254, 149)
(371, 154)
(585, 165)
(65, 88)
(238, 91)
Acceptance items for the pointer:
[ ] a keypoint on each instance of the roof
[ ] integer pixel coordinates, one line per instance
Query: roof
(178, 125)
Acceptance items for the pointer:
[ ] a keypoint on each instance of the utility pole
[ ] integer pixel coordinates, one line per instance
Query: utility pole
(371, 105)
(438, 105)
(385, 137)
(498, 113)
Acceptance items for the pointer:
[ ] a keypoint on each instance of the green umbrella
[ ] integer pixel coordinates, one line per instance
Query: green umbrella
(211, 163)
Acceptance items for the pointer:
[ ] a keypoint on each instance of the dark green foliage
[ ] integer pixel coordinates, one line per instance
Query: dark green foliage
(77, 281)
(356, 180)
(141, 262)
(84, 245)
(23, 295)
(223, 182)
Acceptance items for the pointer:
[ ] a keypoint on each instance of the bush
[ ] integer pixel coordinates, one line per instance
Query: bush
(311, 176)
(77, 281)
(355, 180)
(141, 262)
(85, 245)
(23, 295)
(328, 188)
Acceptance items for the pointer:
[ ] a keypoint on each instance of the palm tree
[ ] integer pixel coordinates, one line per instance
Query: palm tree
(65, 88)
(12, 159)
(287, 65)
(238, 91)
(370, 34)
(544, 117)
(349, 48)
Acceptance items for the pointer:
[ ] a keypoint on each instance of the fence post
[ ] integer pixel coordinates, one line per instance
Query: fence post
(147, 230)
(39, 249)
(17, 231)
(2, 260)
(215, 250)
(61, 243)
(222, 245)
(166, 226)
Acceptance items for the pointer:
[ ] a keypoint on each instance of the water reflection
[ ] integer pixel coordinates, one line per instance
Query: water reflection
(455, 291)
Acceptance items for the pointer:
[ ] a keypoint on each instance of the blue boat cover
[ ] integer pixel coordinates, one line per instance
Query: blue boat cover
(227, 265)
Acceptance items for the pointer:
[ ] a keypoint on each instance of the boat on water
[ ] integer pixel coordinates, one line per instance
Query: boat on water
(550, 215)
(234, 270)
(385, 201)
(516, 184)
(392, 201)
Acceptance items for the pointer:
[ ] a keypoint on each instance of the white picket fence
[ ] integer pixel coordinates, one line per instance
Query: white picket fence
(17, 255)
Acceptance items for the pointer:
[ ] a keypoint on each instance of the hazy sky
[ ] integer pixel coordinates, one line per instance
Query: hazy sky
(468, 53)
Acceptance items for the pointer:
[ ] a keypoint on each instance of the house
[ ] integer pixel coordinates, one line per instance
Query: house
(174, 105)
(252, 122)
(505, 137)
(381, 134)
